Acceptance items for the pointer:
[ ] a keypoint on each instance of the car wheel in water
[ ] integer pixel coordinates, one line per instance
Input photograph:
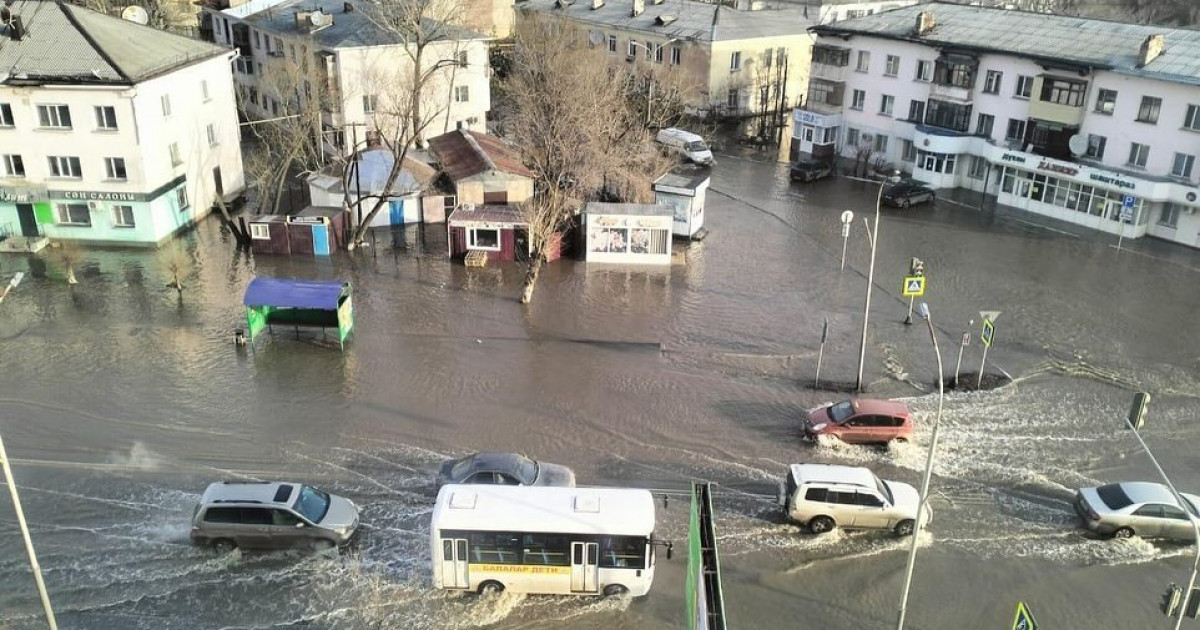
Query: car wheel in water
(821, 525)
(615, 590)
(905, 527)
(900, 440)
(1123, 533)
(223, 545)
(904, 203)
(324, 546)
(491, 587)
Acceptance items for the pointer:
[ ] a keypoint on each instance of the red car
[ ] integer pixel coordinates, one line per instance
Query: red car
(861, 421)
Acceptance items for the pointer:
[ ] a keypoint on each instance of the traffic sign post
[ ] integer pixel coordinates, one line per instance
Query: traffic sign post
(1126, 217)
(916, 270)
(966, 341)
(1024, 618)
(989, 331)
(821, 352)
(847, 218)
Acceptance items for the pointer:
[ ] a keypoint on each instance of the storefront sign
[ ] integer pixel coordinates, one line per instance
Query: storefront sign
(1055, 167)
(99, 195)
(1112, 181)
(1012, 157)
(306, 219)
(804, 117)
(21, 195)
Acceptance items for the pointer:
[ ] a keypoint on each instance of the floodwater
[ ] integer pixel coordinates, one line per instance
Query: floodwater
(119, 403)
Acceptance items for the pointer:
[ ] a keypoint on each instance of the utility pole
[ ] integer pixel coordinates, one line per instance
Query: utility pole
(33, 562)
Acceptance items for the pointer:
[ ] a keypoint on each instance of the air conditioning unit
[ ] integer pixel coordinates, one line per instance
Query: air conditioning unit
(95, 206)
(275, 53)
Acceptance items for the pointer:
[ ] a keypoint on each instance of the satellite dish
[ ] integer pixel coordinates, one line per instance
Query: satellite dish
(134, 13)
(595, 38)
(1078, 145)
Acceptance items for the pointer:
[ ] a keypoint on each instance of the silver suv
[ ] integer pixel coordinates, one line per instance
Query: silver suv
(825, 496)
(272, 515)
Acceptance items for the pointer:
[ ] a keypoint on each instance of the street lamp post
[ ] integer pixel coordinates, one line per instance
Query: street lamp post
(924, 496)
(874, 234)
(33, 561)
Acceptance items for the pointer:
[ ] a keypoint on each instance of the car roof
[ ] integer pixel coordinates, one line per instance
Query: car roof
(833, 473)
(1146, 492)
(489, 460)
(876, 406)
(247, 492)
(613, 511)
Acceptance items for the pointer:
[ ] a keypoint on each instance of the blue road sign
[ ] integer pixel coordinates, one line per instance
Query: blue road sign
(1024, 619)
(989, 330)
(1127, 201)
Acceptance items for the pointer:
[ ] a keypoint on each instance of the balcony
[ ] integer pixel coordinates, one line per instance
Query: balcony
(1058, 100)
(829, 72)
(831, 63)
(1050, 139)
(953, 93)
(825, 97)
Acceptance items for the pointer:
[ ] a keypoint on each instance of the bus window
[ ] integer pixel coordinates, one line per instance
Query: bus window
(623, 552)
(546, 549)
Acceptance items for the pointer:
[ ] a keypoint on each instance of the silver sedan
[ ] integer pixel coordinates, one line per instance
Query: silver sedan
(508, 469)
(1149, 510)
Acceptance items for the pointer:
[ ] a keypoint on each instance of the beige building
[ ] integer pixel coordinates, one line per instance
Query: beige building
(482, 169)
(733, 61)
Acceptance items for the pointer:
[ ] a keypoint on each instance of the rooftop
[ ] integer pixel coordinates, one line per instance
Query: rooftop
(683, 19)
(609, 511)
(490, 214)
(629, 209)
(463, 154)
(684, 176)
(253, 492)
(1098, 44)
(64, 43)
(350, 29)
(374, 166)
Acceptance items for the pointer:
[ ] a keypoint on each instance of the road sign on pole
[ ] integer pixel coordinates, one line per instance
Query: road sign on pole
(914, 286)
(992, 315)
(989, 330)
(1137, 412)
(1024, 619)
(847, 219)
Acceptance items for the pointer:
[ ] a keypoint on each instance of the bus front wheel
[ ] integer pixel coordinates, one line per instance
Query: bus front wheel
(615, 590)
(491, 587)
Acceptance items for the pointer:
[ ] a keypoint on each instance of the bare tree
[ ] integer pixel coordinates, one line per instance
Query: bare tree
(70, 254)
(862, 157)
(567, 110)
(175, 262)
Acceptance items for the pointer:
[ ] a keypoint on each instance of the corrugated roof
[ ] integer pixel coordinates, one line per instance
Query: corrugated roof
(465, 153)
(486, 214)
(67, 43)
(1088, 42)
(350, 29)
(695, 21)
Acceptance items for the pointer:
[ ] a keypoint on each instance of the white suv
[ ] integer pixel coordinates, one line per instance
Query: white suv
(825, 496)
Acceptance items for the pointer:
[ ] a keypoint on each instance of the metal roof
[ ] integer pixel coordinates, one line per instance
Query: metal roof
(289, 293)
(630, 209)
(463, 153)
(350, 29)
(615, 511)
(1099, 44)
(65, 43)
(490, 214)
(684, 176)
(683, 19)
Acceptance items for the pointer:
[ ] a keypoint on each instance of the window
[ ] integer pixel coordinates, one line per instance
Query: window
(1138, 153)
(819, 495)
(6, 117)
(204, 90)
(245, 65)
(732, 98)
(257, 41)
(221, 515)
(114, 168)
(462, 94)
(1106, 101)
(1169, 216)
(984, 125)
(851, 137)
(979, 166)
(1024, 86)
(1191, 120)
(858, 99)
(1182, 165)
(936, 162)
(868, 499)
(892, 67)
(886, 103)
(54, 116)
(881, 143)
(676, 53)
(916, 111)
(909, 150)
(1148, 112)
(612, 43)
(1016, 130)
(831, 55)
(1063, 91)
(212, 135)
(72, 214)
(631, 50)
(617, 551)
(166, 104)
(260, 231)
(955, 72)
(924, 71)
(181, 198)
(369, 103)
(947, 115)
(64, 166)
(106, 117)
(14, 166)
(481, 238)
(658, 54)
(864, 61)
(463, 58)
(735, 60)
(991, 84)
(173, 149)
(1095, 148)
(122, 216)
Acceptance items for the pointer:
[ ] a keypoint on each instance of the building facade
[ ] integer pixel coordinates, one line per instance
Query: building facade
(129, 139)
(327, 56)
(1092, 122)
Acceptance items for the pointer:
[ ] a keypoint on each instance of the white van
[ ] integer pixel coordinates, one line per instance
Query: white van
(686, 143)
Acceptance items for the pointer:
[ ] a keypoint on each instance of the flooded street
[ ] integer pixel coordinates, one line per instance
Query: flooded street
(119, 404)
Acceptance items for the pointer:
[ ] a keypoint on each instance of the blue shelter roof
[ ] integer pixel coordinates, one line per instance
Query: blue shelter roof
(290, 293)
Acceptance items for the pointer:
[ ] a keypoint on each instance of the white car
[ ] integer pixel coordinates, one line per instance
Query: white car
(827, 496)
(1149, 510)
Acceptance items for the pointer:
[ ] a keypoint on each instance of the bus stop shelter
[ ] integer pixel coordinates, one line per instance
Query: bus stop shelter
(296, 304)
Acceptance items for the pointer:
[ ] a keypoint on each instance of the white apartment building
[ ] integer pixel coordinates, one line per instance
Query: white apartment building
(110, 132)
(363, 66)
(1088, 121)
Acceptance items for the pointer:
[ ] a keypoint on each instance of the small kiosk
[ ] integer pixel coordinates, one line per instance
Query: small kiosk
(315, 231)
(684, 188)
(296, 304)
(628, 233)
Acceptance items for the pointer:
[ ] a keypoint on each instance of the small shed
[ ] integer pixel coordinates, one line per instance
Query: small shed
(684, 189)
(498, 231)
(318, 230)
(482, 169)
(628, 233)
(367, 177)
(296, 304)
(269, 234)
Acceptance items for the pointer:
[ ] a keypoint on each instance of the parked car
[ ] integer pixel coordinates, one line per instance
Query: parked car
(272, 515)
(861, 421)
(809, 170)
(686, 144)
(905, 194)
(509, 469)
(827, 496)
(1127, 509)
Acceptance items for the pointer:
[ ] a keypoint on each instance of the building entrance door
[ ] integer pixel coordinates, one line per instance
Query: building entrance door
(28, 219)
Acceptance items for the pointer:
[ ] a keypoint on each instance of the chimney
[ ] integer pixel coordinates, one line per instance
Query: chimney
(925, 23)
(347, 7)
(596, 4)
(639, 7)
(1151, 49)
(302, 23)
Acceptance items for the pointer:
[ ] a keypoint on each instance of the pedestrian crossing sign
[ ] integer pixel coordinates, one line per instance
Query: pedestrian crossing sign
(1024, 619)
(914, 286)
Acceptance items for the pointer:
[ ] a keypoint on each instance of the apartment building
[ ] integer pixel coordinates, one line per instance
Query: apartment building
(110, 132)
(287, 47)
(1088, 121)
